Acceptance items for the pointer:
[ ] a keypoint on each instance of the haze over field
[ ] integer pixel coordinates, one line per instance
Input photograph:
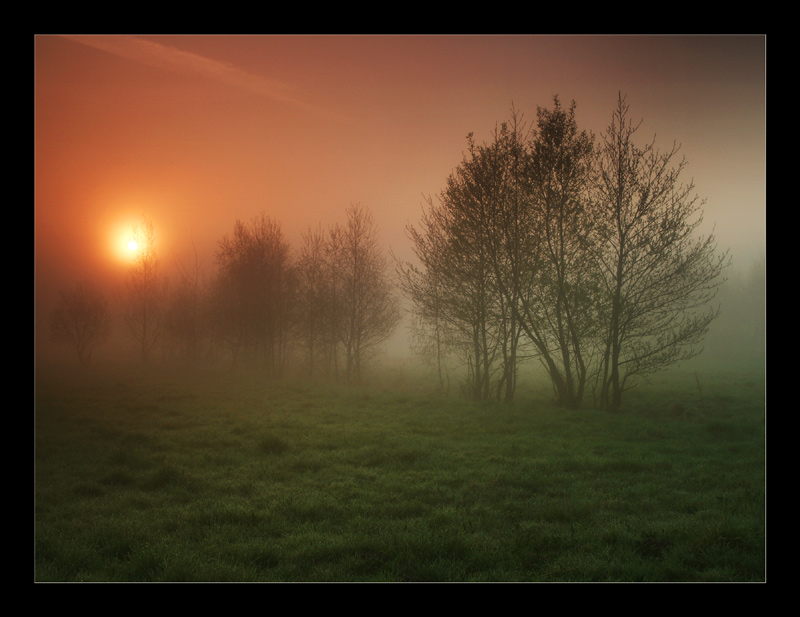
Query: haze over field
(195, 132)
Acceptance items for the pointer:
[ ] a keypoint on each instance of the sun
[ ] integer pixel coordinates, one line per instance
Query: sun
(125, 244)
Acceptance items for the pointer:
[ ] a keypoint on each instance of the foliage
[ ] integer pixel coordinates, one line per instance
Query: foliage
(557, 310)
(457, 289)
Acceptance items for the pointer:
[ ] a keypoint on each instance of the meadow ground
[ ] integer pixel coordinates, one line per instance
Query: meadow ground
(178, 475)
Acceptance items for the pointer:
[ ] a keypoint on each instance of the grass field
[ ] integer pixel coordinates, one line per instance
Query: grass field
(214, 476)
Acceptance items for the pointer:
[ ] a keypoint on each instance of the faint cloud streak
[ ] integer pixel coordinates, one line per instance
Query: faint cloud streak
(167, 58)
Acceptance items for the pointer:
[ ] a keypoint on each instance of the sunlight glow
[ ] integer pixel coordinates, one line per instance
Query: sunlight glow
(124, 241)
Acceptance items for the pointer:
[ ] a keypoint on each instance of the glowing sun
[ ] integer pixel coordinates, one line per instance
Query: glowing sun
(132, 245)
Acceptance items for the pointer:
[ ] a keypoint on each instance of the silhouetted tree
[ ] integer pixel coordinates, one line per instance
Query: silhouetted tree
(452, 288)
(485, 193)
(313, 308)
(81, 319)
(254, 292)
(657, 275)
(144, 309)
(367, 311)
(557, 312)
(512, 229)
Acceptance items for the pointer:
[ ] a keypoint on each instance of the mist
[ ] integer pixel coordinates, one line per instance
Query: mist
(400, 308)
(736, 340)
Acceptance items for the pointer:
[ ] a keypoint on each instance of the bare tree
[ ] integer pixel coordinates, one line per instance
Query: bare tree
(144, 309)
(657, 275)
(369, 312)
(81, 319)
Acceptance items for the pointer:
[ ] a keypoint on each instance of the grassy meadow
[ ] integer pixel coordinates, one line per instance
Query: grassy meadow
(178, 475)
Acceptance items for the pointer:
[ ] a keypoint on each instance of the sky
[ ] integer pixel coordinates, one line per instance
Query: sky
(195, 132)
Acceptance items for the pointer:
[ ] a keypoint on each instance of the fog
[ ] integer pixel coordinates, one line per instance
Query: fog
(196, 132)
(735, 342)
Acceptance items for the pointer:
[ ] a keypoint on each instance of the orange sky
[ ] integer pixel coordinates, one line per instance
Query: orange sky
(197, 131)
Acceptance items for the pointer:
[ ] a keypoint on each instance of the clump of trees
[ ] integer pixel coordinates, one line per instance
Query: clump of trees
(347, 307)
(325, 310)
(252, 293)
(583, 254)
(546, 243)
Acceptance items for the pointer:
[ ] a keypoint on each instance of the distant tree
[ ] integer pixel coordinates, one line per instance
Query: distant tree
(255, 292)
(368, 310)
(657, 275)
(333, 315)
(312, 313)
(144, 309)
(81, 319)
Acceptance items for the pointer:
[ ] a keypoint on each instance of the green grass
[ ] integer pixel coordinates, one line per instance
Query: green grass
(176, 476)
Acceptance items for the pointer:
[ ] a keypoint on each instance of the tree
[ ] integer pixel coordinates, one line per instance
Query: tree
(368, 312)
(313, 313)
(657, 276)
(512, 230)
(557, 311)
(589, 257)
(81, 319)
(144, 310)
(486, 197)
(254, 292)
(452, 288)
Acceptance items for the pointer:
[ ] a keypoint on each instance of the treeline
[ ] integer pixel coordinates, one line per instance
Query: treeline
(547, 244)
(323, 309)
(581, 253)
